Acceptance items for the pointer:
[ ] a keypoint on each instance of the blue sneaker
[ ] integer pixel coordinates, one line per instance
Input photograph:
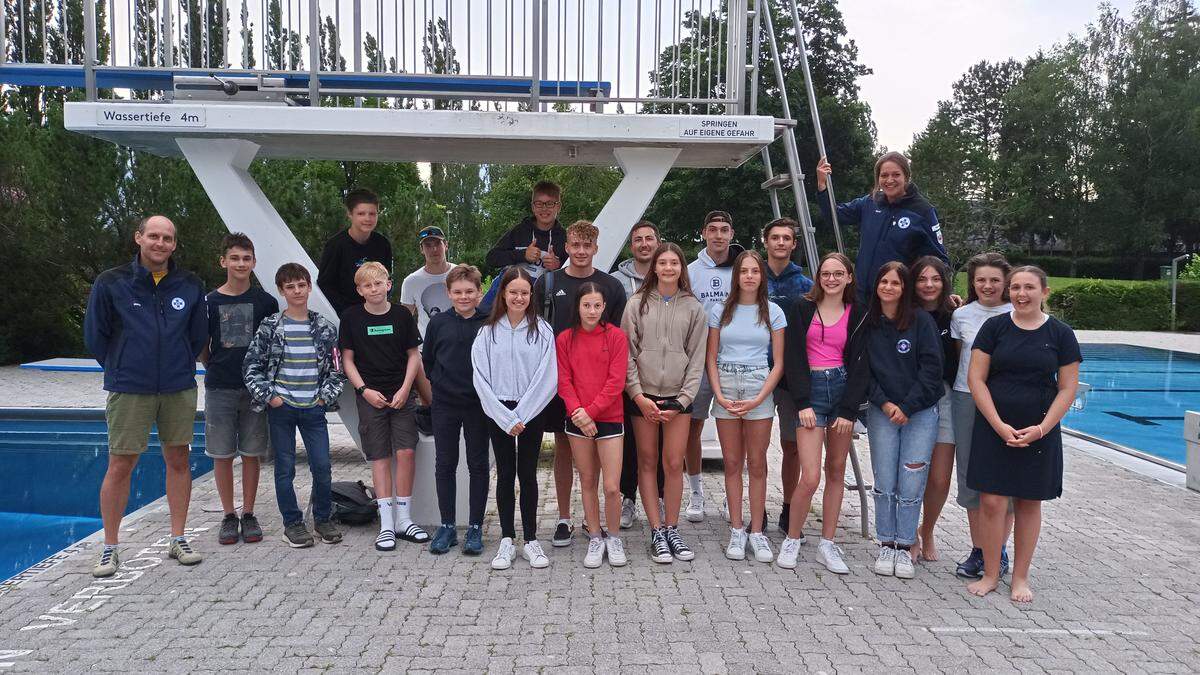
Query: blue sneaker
(473, 543)
(445, 537)
(972, 567)
(1004, 561)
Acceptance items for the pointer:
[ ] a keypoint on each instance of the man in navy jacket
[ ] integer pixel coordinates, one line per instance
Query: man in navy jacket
(145, 323)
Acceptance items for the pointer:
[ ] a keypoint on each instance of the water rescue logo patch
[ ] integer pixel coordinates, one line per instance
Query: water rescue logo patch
(178, 304)
(903, 223)
(904, 346)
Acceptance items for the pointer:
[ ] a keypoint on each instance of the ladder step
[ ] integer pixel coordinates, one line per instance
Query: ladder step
(779, 182)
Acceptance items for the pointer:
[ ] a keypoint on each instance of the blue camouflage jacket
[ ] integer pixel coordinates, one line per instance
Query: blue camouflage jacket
(265, 356)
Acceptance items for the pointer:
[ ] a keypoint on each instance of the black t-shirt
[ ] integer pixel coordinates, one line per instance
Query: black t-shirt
(341, 259)
(564, 288)
(232, 322)
(380, 343)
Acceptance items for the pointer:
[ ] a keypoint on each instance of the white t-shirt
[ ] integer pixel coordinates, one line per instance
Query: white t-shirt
(744, 340)
(964, 326)
(427, 292)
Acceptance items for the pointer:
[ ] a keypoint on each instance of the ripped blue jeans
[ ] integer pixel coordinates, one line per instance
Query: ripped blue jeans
(900, 462)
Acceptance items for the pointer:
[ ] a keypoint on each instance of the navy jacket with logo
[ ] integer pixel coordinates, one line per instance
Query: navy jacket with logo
(904, 231)
(146, 336)
(906, 365)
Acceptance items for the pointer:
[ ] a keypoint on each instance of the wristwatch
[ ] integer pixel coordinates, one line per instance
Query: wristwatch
(360, 390)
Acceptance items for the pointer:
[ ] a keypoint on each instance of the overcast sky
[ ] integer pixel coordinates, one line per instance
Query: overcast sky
(919, 48)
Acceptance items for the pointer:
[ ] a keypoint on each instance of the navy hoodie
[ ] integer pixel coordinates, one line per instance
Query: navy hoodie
(906, 365)
(904, 231)
(447, 357)
(146, 336)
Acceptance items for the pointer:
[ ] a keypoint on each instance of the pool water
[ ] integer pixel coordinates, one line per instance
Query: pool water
(1138, 397)
(51, 467)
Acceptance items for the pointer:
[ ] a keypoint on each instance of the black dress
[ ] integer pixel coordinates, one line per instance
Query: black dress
(1023, 381)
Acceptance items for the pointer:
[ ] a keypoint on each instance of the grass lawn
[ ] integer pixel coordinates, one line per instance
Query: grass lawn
(1056, 283)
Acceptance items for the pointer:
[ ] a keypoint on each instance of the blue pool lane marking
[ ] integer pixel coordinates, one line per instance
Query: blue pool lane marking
(1145, 421)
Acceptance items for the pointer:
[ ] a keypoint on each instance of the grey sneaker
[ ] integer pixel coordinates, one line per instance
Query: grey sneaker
(182, 551)
(251, 530)
(327, 531)
(628, 512)
(107, 563)
(297, 536)
(230, 530)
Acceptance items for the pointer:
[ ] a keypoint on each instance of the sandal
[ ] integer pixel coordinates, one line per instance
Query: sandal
(386, 541)
(414, 533)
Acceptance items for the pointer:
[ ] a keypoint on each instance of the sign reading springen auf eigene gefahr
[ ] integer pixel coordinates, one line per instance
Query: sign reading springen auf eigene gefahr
(716, 127)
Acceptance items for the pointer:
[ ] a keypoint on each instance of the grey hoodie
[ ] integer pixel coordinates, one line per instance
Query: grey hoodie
(666, 346)
(507, 366)
(628, 276)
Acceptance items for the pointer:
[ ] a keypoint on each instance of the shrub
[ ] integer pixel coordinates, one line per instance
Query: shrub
(1187, 305)
(1115, 305)
(1191, 271)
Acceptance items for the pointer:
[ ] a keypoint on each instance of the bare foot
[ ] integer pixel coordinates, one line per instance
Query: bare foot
(928, 548)
(983, 586)
(1021, 592)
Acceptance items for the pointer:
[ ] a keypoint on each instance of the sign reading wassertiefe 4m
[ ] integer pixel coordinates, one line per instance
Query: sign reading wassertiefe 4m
(158, 116)
(718, 127)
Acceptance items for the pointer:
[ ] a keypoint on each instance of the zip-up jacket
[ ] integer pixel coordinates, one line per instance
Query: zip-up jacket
(711, 282)
(906, 366)
(789, 285)
(854, 357)
(510, 249)
(666, 346)
(627, 274)
(264, 358)
(447, 357)
(904, 231)
(507, 366)
(592, 368)
(146, 336)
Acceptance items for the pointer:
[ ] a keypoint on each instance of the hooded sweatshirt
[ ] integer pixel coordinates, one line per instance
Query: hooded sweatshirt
(591, 371)
(906, 365)
(447, 357)
(627, 274)
(508, 366)
(711, 282)
(510, 249)
(791, 283)
(666, 345)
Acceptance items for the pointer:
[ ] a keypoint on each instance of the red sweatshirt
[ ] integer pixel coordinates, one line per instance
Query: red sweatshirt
(591, 371)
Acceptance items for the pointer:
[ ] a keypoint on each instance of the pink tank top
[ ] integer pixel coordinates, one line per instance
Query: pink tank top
(827, 344)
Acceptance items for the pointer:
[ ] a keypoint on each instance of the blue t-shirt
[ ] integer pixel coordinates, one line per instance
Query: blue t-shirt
(744, 340)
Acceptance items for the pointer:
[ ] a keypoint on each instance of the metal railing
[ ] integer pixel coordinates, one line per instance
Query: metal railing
(599, 55)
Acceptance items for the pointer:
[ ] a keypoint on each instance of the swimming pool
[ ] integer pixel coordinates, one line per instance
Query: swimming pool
(1138, 397)
(51, 465)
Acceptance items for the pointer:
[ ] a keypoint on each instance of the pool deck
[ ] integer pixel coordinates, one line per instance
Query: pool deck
(1117, 577)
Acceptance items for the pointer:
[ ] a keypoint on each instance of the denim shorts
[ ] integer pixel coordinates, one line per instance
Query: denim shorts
(826, 392)
(742, 383)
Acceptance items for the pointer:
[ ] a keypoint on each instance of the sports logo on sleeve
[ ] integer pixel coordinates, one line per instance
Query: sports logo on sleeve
(937, 231)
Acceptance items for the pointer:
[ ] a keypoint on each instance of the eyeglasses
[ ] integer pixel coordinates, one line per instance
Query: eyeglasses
(544, 205)
(839, 274)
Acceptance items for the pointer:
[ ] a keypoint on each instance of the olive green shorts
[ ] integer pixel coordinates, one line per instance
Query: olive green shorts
(131, 416)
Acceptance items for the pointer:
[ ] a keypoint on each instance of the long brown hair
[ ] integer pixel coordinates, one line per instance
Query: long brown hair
(500, 306)
(989, 259)
(650, 283)
(817, 294)
(760, 295)
(904, 310)
(933, 262)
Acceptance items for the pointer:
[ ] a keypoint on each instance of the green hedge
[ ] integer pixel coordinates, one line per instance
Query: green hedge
(1092, 267)
(1102, 304)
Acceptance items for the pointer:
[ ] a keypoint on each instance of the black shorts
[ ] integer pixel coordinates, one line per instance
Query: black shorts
(554, 414)
(637, 412)
(603, 430)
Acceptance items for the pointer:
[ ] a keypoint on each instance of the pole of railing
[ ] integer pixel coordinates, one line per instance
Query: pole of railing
(735, 55)
(1175, 283)
(802, 46)
(314, 53)
(3, 36)
(224, 33)
(89, 47)
(358, 45)
(167, 38)
(535, 72)
(545, 60)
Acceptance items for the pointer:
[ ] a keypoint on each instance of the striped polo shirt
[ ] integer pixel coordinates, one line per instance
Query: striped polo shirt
(296, 382)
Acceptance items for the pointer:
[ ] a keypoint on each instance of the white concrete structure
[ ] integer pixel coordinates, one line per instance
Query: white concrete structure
(1191, 435)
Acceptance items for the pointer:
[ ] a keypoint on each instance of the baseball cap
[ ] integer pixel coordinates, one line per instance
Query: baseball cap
(431, 231)
(722, 216)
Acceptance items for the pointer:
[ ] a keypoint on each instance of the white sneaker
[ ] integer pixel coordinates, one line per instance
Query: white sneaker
(789, 550)
(829, 554)
(595, 553)
(504, 556)
(535, 555)
(695, 507)
(761, 547)
(737, 544)
(628, 512)
(616, 551)
(885, 564)
(904, 565)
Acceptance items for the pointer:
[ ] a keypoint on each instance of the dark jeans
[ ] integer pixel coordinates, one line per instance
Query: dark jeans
(283, 422)
(629, 458)
(517, 458)
(448, 420)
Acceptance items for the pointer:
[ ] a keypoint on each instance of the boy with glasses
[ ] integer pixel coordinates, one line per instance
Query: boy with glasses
(538, 242)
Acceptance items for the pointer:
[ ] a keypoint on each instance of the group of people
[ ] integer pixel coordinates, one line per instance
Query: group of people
(622, 368)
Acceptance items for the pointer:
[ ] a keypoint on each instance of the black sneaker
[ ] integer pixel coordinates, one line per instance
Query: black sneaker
(972, 567)
(660, 552)
(230, 529)
(297, 536)
(785, 518)
(251, 530)
(562, 534)
(680, 550)
(327, 531)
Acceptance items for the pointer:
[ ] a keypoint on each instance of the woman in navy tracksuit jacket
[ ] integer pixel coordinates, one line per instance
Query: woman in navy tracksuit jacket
(895, 222)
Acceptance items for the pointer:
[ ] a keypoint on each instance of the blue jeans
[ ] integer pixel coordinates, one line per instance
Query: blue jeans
(900, 489)
(283, 423)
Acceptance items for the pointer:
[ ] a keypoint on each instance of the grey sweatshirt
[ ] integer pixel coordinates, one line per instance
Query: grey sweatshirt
(666, 346)
(627, 274)
(509, 367)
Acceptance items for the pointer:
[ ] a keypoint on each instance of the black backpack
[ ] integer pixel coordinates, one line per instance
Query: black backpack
(353, 502)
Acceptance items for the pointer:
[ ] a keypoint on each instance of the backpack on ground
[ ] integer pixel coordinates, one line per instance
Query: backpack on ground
(353, 502)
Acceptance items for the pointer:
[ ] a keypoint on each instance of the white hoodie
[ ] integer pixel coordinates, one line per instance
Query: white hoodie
(711, 283)
(509, 367)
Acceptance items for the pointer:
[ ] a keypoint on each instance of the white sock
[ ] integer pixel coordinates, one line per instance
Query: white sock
(403, 511)
(826, 542)
(386, 522)
(694, 481)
